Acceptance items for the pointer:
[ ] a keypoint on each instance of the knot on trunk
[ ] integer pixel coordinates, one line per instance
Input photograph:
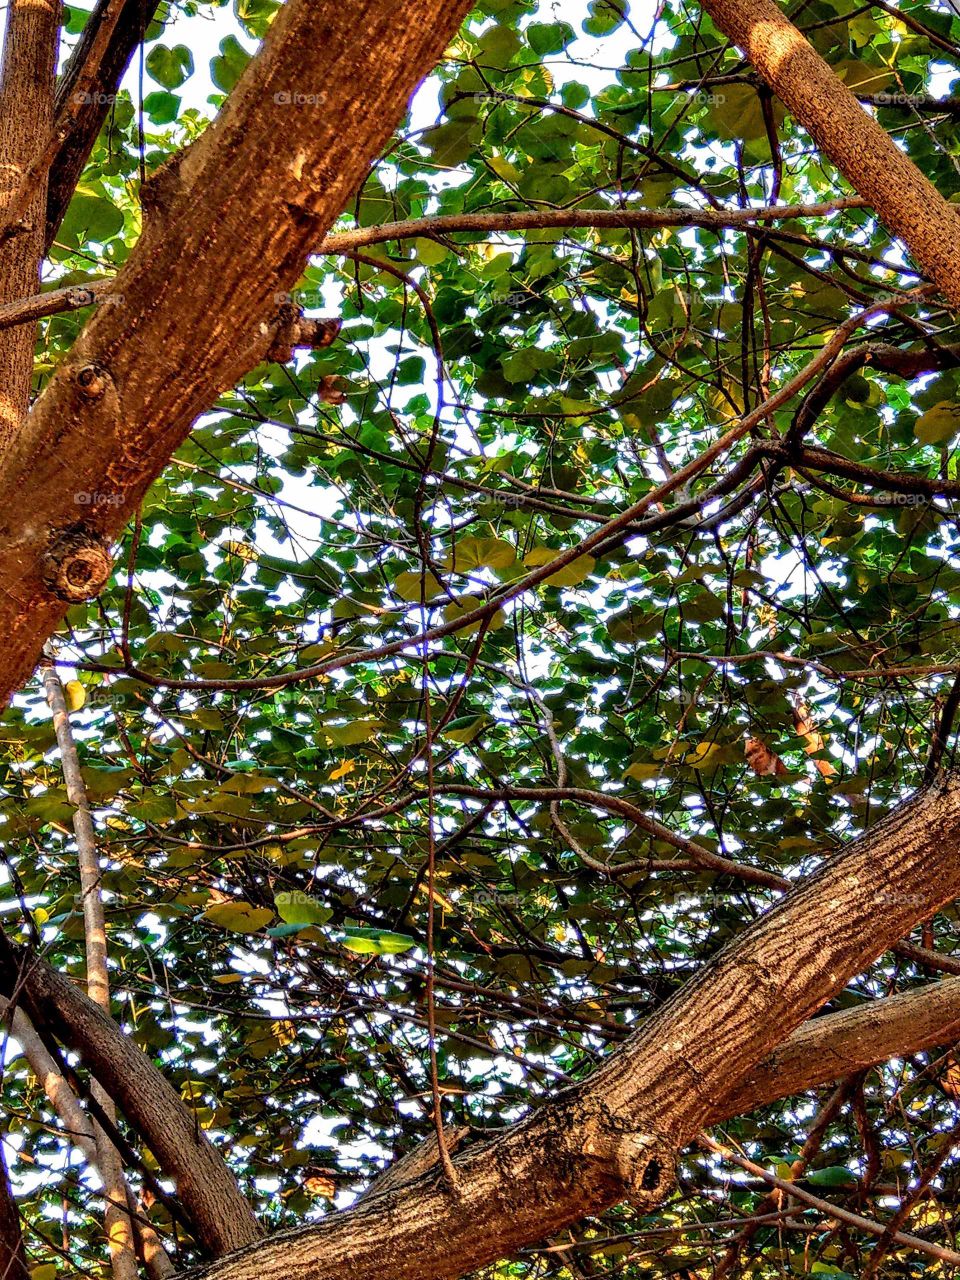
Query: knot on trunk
(292, 329)
(92, 381)
(643, 1163)
(76, 565)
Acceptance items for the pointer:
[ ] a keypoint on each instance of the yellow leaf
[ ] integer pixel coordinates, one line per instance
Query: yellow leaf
(570, 575)
(348, 735)
(640, 772)
(75, 694)
(460, 608)
(939, 424)
(238, 917)
(703, 755)
(407, 586)
(342, 770)
(480, 553)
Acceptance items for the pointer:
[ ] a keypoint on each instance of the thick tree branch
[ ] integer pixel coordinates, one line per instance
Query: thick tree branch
(26, 114)
(229, 225)
(908, 203)
(616, 1136)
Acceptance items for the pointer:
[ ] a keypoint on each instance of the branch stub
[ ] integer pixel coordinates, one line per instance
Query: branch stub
(92, 380)
(76, 565)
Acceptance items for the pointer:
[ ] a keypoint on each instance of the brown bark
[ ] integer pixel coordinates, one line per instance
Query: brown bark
(558, 219)
(819, 1052)
(219, 1212)
(840, 1044)
(13, 1256)
(229, 225)
(616, 1135)
(26, 114)
(85, 94)
(908, 203)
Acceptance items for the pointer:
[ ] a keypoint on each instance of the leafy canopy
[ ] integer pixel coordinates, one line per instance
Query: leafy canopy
(494, 398)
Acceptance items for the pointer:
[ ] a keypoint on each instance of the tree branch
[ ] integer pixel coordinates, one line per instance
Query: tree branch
(257, 190)
(616, 1135)
(908, 204)
(85, 93)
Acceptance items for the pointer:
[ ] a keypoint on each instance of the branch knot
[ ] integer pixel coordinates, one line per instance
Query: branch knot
(642, 1162)
(77, 565)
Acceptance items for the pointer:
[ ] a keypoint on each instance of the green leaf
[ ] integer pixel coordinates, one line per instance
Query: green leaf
(549, 37)
(162, 107)
(90, 217)
(832, 1176)
(169, 67)
(605, 16)
(228, 66)
(376, 942)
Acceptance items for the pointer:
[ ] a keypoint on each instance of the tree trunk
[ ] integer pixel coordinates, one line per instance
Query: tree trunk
(229, 226)
(26, 115)
(909, 204)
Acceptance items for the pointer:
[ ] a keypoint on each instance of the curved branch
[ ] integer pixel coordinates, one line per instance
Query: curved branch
(217, 1208)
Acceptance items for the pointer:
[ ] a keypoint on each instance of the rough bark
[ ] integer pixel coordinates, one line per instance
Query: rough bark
(817, 1053)
(219, 1212)
(83, 101)
(229, 225)
(617, 1135)
(841, 1044)
(26, 114)
(78, 1128)
(908, 203)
